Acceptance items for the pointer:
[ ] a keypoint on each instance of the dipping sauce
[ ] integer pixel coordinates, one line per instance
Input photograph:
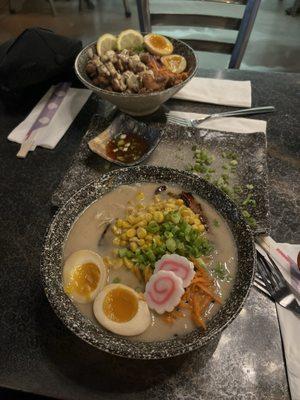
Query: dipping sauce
(127, 147)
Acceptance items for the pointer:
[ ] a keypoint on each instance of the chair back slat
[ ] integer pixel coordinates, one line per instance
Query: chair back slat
(210, 46)
(196, 13)
(207, 21)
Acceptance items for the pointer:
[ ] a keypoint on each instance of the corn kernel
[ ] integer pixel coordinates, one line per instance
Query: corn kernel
(142, 223)
(116, 231)
(158, 216)
(147, 273)
(133, 246)
(141, 242)
(116, 241)
(119, 223)
(141, 232)
(131, 219)
(185, 213)
(118, 263)
(140, 207)
(140, 196)
(149, 238)
(179, 202)
(157, 199)
(151, 209)
(124, 236)
(145, 246)
(131, 233)
(107, 261)
(148, 217)
(128, 263)
(201, 228)
(125, 225)
(123, 242)
(134, 239)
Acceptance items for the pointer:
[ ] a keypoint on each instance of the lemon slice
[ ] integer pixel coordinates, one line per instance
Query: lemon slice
(106, 42)
(158, 44)
(174, 63)
(129, 39)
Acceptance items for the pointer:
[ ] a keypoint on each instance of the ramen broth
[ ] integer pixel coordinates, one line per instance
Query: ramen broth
(87, 230)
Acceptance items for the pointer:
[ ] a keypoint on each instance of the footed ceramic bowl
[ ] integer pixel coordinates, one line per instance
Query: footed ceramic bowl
(131, 103)
(52, 263)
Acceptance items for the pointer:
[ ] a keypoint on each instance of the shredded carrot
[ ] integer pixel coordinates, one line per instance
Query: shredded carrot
(196, 298)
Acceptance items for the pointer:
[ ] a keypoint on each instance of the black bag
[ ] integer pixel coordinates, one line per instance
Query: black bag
(35, 60)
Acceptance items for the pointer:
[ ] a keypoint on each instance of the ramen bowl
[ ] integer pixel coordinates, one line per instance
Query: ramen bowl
(83, 327)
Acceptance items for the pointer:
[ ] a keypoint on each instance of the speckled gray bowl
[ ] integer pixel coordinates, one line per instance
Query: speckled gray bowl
(51, 268)
(137, 104)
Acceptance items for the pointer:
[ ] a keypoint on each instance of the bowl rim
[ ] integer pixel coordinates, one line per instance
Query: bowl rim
(80, 325)
(133, 95)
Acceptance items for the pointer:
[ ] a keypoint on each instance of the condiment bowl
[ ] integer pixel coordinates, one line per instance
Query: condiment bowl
(137, 104)
(148, 135)
(52, 263)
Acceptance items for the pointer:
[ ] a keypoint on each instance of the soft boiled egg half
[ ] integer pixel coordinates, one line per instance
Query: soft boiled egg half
(121, 310)
(84, 275)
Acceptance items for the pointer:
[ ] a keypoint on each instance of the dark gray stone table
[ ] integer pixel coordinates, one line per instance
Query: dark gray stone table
(39, 355)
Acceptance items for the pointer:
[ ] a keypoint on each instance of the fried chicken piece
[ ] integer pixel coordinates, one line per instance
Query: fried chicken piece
(132, 81)
(110, 55)
(90, 54)
(91, 69)
(150, 83)
(145, 58)
(102, 70)
(112, 70)
(118, 83)
(96, 60)
(101, 81)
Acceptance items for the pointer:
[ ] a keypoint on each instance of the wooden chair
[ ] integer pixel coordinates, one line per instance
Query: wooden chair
(189, 14)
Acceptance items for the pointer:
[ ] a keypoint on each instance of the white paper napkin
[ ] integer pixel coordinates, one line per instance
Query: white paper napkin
(217, 91)
(227, 124)
(285, 256)
(48, 136)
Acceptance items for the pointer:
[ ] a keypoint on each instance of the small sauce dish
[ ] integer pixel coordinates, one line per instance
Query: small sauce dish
(126, 141)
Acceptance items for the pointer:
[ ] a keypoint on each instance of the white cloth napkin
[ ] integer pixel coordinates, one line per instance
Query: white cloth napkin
(285, 256)
(217, 91)
(48, 136)
(227, 124)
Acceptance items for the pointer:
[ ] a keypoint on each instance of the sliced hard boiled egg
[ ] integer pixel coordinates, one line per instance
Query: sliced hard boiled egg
(174, 63)
(158, 44)
(121, 310)
(84, 275)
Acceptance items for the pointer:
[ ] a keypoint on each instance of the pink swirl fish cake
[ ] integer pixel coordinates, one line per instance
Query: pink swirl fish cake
(163, 291)
(181, 267)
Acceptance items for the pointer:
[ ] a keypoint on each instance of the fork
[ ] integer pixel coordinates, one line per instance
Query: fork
(193, 123)
(276, 284)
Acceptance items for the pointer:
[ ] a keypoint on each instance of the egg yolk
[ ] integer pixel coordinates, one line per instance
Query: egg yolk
(84, 280)
(158, 42)
(120, 305)
(173, 61)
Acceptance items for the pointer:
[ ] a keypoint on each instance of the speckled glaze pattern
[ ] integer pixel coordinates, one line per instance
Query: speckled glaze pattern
(73, 319)
(132, 103)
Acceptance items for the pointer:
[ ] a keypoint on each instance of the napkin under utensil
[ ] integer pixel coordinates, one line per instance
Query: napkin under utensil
(217, 91)
(285, 256)
(50, 128)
